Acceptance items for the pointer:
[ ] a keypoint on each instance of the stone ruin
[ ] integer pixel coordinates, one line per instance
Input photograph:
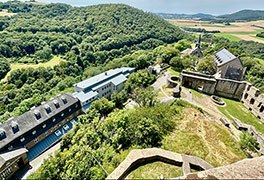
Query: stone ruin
(254, 101)
(173, 83)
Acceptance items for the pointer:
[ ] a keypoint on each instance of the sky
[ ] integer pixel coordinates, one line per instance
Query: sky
(215, 7)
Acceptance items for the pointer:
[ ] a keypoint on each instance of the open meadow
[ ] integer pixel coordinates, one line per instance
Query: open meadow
(235, 31)
(56, 60)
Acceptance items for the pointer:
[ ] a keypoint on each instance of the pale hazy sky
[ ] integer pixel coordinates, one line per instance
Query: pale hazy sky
(215, 7)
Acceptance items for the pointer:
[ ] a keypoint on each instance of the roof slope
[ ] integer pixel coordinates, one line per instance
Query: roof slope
(224, 56)
(28, 120)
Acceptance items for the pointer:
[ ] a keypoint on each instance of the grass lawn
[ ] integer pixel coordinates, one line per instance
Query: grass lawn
(155, 170)
(53, 62)
(228, 36)
(239, 111)
(197, 94)
(197, 136)
(173, 72)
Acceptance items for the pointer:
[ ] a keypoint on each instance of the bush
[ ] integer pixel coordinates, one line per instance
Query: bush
(248, 142)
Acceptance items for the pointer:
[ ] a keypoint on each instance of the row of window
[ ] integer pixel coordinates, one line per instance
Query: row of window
(107, 86)
(48, 110)
(7, 172)
(106, 93)
(90, 100)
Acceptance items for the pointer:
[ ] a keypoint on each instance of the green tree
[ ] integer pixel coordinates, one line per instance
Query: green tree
(207, 65)
(145, 97)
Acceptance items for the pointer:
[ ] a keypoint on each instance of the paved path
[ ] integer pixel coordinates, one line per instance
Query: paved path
(36, 163)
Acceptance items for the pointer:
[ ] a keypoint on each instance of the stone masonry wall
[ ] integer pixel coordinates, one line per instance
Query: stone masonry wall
(254, 101)
(230, 88)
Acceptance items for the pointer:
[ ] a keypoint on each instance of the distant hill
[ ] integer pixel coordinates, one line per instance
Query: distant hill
(185, 16)
(244, 15)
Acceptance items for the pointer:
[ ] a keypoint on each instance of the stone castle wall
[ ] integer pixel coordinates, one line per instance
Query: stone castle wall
(211, 85)
(254, 101)
(230, 88)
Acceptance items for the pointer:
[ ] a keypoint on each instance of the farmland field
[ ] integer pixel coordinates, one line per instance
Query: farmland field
(235, 31)
(4, 12)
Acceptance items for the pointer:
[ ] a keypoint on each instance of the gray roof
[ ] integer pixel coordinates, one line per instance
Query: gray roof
(28, 120)
(103, 76)
(4, 157)
(118, 80)
(85, 96)
(224, 56)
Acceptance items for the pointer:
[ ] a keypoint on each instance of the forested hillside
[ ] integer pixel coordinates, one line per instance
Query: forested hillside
(244, 15)
(88, 38)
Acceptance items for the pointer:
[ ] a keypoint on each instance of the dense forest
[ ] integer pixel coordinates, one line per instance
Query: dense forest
(88, 38)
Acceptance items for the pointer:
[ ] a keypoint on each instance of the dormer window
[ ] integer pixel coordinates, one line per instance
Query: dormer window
(14, 126)
(34, 132)
(37, 114)
(64, 100)
(2, 134)
(56, 103)
(47, 108)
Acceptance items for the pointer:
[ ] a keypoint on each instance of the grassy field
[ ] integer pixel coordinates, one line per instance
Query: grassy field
(237, 110)
(173, 72)
(53, 62)
(4, 12)
(228, 36)
(235, 32)
(196, 135)
(155, 171)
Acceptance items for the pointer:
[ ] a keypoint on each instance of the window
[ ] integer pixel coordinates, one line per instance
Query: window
(2, 134)
(70, 110)
(261, 109)
(54, 119)
(37, 114)
(22, 139)
(14, 126)
(64, 100)
(252, 101)
(62, 114)
(66, 127)
(44, 125)
(56, 103)
(47, 108)
(58, 133)
(34, 132)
